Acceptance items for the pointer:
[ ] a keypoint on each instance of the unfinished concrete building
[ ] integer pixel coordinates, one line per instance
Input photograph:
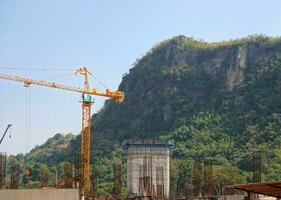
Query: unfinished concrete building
(148, 168)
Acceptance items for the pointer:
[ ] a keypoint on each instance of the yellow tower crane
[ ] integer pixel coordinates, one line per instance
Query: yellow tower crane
(87, 92)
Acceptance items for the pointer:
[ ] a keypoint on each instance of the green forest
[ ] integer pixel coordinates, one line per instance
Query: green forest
(217, 101)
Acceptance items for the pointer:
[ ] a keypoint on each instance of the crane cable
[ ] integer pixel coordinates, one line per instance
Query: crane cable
(61, 76)
(53, 69)
(27, 120)
(100, 82)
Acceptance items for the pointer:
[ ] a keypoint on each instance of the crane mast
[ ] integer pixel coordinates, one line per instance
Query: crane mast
(87, 92)
(84, 181)
(85, 147)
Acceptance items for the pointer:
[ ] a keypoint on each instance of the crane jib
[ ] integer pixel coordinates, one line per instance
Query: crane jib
(116, 95)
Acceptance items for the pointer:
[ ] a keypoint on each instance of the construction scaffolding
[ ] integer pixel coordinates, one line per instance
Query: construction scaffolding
(148, 168)
(208, 179)
(15, 176)
(116, 190)
(196, 179)
(94, 181)
(68, 175)
(257, 166)
(173, 179)
(77, 167)
(3, 162)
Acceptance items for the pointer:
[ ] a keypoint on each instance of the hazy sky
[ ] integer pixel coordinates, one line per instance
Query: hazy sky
(107, 36)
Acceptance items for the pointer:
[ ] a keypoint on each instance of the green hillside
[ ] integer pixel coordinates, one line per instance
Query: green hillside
(42, 160)
(218, 101)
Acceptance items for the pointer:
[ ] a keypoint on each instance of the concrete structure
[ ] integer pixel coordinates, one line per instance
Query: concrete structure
(148, 168)
(39, 194)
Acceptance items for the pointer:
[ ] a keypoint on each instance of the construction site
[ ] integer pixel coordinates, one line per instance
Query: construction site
(147, 162)
(147, 177)
(147, 166)
(192, 109)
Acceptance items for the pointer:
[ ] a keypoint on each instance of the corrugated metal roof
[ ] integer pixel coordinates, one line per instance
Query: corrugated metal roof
(266, 188)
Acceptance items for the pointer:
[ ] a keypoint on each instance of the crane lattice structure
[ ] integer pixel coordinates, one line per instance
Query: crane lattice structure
(87, 92)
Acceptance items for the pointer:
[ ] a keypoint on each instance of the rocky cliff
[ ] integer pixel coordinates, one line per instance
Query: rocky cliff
(217, 101)
(178, 78)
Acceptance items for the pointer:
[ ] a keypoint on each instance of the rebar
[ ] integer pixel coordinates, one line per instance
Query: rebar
(68, 175)
(208, 179)
(196, 179)
(76, 170)
(15, 174)
(116, 179)
(257, 166)
(3, 162)
(94, 181)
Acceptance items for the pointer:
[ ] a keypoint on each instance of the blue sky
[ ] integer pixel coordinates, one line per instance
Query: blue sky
(107, 36)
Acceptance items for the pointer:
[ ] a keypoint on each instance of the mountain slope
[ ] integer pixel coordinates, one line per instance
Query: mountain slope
(217, 101)
(182, 78)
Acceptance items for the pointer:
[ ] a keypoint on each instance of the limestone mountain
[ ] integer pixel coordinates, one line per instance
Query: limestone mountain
(214, 95)
(218, 101)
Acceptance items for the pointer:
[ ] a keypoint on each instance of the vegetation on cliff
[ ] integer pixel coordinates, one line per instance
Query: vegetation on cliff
(217, 101)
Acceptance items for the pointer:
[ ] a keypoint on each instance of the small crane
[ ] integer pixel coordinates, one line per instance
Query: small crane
(87, 93)
(9, 125)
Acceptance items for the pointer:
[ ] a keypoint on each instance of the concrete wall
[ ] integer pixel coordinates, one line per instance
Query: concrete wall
(232, 197)
(39, 194)
(137, 158)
